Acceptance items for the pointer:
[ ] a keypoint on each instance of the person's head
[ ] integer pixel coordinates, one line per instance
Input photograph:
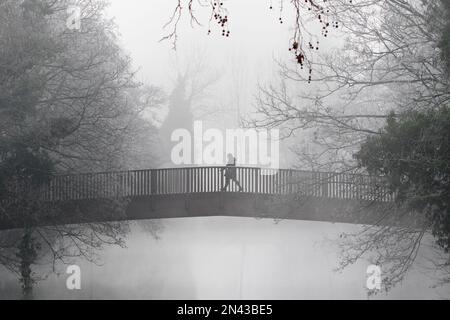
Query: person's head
(230, 157)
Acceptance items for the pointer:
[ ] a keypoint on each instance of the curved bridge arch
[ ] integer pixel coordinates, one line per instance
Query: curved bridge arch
(197, 191)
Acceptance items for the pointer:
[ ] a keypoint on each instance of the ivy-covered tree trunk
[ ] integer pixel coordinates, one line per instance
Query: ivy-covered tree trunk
(27, 254)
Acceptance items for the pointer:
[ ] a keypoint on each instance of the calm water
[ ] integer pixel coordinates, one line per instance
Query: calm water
(224, 258)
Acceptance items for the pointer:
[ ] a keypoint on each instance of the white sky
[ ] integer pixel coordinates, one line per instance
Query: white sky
(256, 37)
(196, 258)
(248, 55)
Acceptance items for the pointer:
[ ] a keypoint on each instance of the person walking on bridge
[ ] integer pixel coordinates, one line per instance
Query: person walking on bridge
(230, 172)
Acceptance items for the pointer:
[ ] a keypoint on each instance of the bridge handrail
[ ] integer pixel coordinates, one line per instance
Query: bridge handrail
(220, 167)
(186, 180)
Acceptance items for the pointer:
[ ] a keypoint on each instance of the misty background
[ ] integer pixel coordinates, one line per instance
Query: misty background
(221, 81)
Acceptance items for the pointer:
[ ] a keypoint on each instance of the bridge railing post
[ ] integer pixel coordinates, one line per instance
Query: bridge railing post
(188, 180)
(153, 182)
(325, 184)
(289, 182)
(257, 173)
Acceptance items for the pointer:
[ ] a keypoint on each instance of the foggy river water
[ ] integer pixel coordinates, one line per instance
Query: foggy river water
(224, 258)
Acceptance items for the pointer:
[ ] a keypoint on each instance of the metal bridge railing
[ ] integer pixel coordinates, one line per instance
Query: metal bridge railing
(211, 179)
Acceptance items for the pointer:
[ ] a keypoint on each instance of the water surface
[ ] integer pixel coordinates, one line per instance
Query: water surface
(224, 258)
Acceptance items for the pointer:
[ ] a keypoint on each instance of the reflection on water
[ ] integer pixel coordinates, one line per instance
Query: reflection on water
(221, 258)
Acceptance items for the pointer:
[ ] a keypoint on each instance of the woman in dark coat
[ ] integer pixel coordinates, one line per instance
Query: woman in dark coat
(230, 172)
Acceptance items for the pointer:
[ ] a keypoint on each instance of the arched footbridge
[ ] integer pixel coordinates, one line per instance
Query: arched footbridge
(198, 191)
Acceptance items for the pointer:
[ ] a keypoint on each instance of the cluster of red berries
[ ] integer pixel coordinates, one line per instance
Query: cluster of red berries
(311, 46)
(320, 14)
(220, 18)
(300, 57)
(301, 61)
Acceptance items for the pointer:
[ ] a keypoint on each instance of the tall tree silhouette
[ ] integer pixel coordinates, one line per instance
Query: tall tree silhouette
(180, 115)
(65, 108)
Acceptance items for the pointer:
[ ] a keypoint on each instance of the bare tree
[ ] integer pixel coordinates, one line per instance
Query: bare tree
(190, 96)
(69, 103)
(305, 38)
(388, 62)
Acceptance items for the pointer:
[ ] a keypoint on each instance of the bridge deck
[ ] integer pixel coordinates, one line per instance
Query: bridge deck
(197, 191)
